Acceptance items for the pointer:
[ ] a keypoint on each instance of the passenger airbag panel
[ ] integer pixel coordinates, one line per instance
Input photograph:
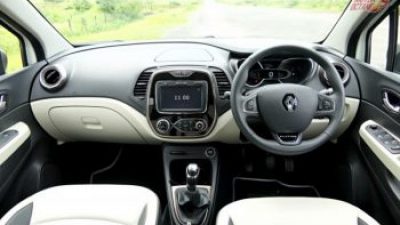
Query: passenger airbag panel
(81, 123)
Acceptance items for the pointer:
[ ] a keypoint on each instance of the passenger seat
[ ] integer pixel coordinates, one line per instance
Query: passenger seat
(87, 205)
(292, 211)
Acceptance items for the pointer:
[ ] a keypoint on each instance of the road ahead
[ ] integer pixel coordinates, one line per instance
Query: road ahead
(230, 21)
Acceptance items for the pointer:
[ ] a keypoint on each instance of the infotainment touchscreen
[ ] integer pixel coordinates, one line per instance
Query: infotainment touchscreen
(181, 96)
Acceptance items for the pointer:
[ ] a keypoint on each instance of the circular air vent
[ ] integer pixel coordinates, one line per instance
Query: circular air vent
(341, 69)
(53, 77)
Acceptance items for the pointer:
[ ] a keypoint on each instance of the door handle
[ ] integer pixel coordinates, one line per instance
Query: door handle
(391, 101)
(3, 103)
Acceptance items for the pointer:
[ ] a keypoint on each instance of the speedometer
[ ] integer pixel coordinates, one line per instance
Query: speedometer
(300, 68)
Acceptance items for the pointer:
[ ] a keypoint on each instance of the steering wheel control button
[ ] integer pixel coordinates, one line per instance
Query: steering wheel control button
(325, 104)
(250, 105)
(163, 126)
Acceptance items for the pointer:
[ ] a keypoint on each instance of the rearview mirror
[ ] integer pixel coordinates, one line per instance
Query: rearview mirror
(3, 62)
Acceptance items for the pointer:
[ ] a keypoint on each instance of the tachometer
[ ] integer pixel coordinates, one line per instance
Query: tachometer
(254, 77)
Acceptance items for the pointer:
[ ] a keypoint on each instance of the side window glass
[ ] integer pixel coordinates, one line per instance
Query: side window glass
(379, 44)
(396, 62)
(10, 52)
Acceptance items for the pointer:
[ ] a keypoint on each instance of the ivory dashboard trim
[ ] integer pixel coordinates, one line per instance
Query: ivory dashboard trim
(108, 120)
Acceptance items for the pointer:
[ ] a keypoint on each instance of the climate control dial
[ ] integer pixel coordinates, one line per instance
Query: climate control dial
(200, 125)
(163, 126)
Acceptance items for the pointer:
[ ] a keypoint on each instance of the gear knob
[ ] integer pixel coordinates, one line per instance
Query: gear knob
(192, 174)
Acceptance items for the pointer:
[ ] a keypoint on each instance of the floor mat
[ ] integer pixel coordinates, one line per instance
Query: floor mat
(252, 188)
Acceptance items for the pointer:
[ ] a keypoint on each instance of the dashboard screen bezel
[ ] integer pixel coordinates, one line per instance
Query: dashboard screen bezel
(175, 83)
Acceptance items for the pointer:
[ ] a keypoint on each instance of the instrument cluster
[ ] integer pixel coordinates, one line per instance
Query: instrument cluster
(280, 70)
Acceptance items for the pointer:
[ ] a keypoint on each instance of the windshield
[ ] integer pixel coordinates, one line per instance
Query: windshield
(83, 21)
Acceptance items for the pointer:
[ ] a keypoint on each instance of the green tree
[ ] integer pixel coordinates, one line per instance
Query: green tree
(54, 1)
(81, 5)
(130, 9)
(107, 6)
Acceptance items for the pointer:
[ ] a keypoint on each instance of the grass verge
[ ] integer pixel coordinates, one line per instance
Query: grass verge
(317, 5)
(152, 20)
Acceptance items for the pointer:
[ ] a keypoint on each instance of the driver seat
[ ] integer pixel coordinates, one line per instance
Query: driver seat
(87, 205)
(290, 211)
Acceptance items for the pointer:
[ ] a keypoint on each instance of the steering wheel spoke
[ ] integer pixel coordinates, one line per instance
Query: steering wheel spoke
(326, 106)
(289, 139)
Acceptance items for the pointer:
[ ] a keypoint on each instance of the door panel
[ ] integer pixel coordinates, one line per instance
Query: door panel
(12, 139)
(16, 88)
(373, 83)
(15, 148)
(384, 166)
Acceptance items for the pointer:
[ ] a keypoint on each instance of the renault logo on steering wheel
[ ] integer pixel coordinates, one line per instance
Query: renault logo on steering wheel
(290, 102)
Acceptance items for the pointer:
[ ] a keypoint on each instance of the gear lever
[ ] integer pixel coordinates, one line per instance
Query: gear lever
(192, 201)
(192, 174)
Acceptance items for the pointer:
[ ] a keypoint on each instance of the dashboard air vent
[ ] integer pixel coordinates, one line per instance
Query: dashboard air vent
(140, 89)
(223, 82)
(53, 77)
(341, 69)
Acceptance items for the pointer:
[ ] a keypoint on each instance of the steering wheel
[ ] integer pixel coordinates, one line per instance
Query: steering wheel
(287, 109)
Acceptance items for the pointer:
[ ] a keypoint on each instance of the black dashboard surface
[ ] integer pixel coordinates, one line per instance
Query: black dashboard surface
(112, 70)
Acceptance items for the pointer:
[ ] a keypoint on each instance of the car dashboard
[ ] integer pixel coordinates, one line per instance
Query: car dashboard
(157, 92)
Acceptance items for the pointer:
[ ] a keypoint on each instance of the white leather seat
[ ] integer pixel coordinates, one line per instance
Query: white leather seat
(87, 205)
(292, 211)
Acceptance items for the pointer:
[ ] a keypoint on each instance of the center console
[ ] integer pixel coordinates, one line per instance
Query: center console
(190, 175)
(181, 103)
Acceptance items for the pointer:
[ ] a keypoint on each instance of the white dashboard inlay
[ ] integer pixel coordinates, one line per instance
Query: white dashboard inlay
(110, 120)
